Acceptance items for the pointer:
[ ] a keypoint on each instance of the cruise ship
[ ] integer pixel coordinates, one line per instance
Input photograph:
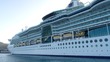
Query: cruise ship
(77, 30)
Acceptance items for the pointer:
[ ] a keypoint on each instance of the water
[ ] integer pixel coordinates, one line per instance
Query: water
(19, 58)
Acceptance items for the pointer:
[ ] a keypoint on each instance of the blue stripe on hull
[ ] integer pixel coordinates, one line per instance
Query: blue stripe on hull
(99, 57)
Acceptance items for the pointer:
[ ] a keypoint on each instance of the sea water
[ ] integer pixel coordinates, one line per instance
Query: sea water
(26, 58)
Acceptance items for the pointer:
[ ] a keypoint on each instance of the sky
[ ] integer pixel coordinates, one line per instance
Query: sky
(16, 15)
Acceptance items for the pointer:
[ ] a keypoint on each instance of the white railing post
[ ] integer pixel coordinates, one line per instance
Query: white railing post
(72, 34)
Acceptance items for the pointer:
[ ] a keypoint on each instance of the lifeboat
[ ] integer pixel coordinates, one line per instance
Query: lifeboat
(67, 36)
(56, 38)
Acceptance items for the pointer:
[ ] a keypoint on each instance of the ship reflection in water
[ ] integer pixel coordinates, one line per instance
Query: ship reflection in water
(19, 58)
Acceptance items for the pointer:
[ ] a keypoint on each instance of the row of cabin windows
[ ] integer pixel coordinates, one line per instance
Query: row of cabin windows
(93, 16)
(97, 41)
(81, 42)
(80, 46)
(82, 15)
(100, 10)
(31, 35)
(71, 26)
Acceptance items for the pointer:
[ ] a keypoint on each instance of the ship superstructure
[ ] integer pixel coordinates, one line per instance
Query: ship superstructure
(77, 30)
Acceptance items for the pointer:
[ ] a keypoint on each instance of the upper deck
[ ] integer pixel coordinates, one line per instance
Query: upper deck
(72, 21)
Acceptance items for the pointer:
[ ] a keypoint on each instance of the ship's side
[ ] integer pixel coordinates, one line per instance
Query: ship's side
(75, 31)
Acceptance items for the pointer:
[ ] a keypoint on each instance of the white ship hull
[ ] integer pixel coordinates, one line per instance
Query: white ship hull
(97, 46)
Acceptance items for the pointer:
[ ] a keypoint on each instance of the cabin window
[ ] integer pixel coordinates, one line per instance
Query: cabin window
(98, 31)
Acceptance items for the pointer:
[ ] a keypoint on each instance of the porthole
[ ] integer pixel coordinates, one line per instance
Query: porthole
(101, 50)
(82, 42)
(91, 41)
(75, 42)
(69, 43)
(58, 44)
(106, 39)
(79, 42)
(63, 47)
(95, 40)
(61, 44)
(66, 44)
(75, 46)
(79, 46)
(101, 45)
(72, 46)
(100, 40)
(72, 42)
(106, 44)
(87, 46)
(96, 45)
(56, 47)
(83, 46)
(86, 41)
